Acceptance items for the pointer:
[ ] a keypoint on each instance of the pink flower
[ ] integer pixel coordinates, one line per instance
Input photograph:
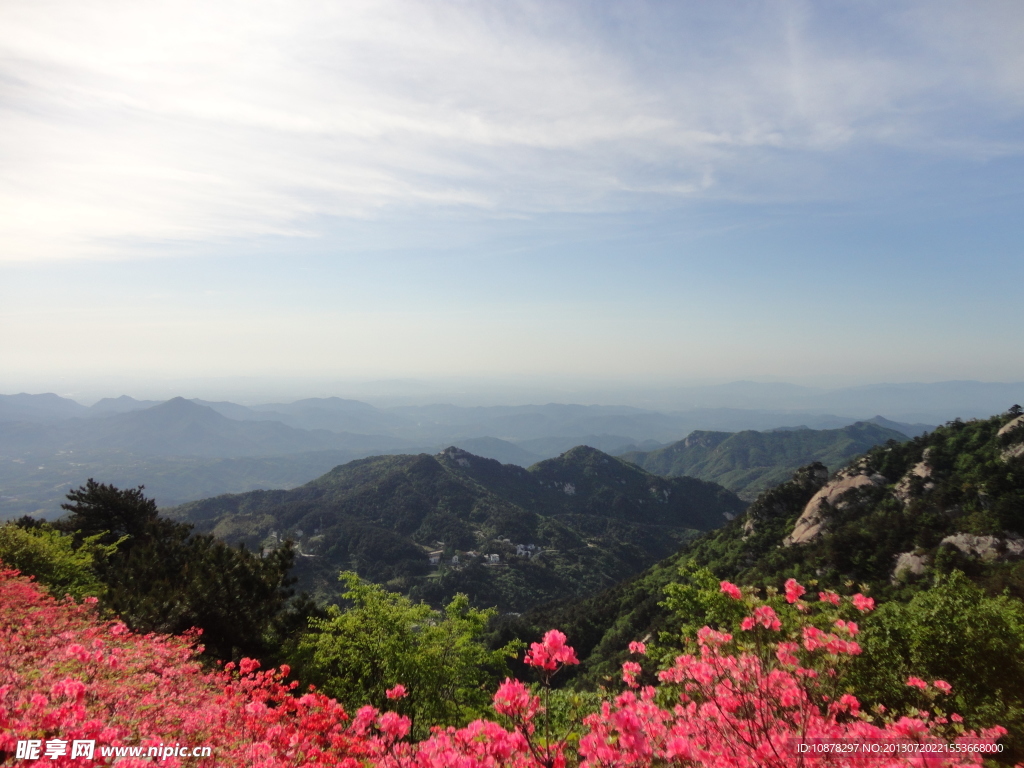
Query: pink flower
(849, 626)
(813, 638)
(731, 590)
(513, 699)
(786, 654)
(630, 670)
(849, 703)
(793, 590)
(637, 647)
(943, 686)
(956, 718)
(709, 637)
(917, 682)
(394, 725)
(829, 597)
(398, 692)
(551, 652)
(862, 603)
(765, 614)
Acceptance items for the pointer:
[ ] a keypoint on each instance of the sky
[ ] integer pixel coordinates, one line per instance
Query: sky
(635, 193)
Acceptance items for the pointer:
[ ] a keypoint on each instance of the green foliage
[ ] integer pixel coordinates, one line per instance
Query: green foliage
(50, 556)
(696, 601)
(951, 632)
(384, 639)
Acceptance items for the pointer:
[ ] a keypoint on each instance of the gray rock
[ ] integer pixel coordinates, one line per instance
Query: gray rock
(1012, 452)
(909, 562)
(904, 487)
(989, 548)
(1010, 426)
(812, 522)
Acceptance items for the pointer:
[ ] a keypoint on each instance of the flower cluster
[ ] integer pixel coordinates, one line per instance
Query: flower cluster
(551, 652)
(65, 674)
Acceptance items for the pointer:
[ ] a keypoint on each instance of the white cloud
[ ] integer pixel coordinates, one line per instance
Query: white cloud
(124, 124)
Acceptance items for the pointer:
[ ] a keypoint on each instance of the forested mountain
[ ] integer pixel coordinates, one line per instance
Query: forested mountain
(749, 462)
(889, 522)
(565, 527)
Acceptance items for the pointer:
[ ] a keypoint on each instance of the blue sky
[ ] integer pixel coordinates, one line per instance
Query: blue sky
(627, 192)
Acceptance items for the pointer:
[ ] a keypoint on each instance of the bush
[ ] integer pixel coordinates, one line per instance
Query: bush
(956, 633)
(384, 639)
(50, 556)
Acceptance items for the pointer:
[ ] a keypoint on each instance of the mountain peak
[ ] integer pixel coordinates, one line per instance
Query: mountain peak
(180, 404)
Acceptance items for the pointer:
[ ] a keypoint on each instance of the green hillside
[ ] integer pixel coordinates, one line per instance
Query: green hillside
(889, 523)
(749, 462)
(565, 527)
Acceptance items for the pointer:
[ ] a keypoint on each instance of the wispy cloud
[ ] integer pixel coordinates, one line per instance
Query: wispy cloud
(124, 124)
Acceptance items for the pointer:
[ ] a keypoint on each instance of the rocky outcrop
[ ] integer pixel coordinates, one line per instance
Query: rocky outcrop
(812, 522)
(1012, 452)
(807, 479)
(909, 563)
(1012, 431)
(904, 489)
(988, 548)
(1010, 426)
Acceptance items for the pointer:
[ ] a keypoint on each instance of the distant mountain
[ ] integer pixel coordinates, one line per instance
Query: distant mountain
(910, 430)
(339, 415)
(179, 427)
(501, 450)
(566, 526)
(38, 487)
(549, 447)
(932, 403)
(749, 462)
(122, 404)
(43, 408)
(566, 424)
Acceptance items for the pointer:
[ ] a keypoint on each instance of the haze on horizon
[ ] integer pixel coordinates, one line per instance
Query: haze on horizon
(599, 195)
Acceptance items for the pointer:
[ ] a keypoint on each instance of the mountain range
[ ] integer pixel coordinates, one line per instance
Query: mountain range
(429, 424)
(505, 535)
(184, 450)
(749, 462)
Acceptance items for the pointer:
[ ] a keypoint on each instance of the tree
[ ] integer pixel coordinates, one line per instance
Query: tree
(163, 578)
(101, 509)
(384, 640)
